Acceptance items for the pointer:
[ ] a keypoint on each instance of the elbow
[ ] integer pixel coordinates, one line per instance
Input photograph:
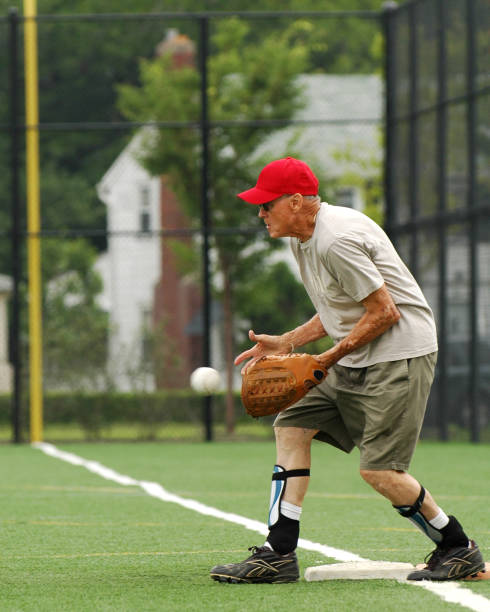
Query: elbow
(389, 317)
(394, 315)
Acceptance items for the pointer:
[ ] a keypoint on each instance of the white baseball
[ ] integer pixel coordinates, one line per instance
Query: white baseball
(205, 380)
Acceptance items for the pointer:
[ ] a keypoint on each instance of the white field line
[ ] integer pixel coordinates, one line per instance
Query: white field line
(453, 592)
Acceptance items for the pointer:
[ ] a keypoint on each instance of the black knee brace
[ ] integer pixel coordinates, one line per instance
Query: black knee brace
(413, 514)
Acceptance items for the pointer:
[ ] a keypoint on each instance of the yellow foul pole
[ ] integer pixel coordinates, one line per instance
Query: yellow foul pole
(33, 221)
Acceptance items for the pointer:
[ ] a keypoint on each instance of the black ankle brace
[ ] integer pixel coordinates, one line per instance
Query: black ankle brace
(283, 536)
(453, 534)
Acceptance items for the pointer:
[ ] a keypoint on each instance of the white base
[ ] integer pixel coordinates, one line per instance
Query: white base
(359, 570)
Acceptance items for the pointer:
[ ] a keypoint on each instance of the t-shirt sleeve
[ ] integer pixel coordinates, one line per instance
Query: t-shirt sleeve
(351, 264)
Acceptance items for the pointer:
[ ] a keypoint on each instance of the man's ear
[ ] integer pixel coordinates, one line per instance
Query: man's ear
(296, 202)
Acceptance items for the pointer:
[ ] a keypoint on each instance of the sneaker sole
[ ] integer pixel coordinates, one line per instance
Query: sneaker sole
(235, 580)
(481, 572)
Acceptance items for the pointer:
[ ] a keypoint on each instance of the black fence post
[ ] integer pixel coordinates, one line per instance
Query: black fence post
(389, 9)
(442, 229)
(205, 221)
(15, 229)
(474, 377)
(413, 165)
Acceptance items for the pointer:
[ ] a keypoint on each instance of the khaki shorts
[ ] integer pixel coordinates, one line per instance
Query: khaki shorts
(379, 409)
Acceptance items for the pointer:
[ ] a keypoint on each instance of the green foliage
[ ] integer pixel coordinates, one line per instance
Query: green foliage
(96, 413)
(341, 45)
(282, 306)
(362, 164)
(75, 328)
(241, 86)
(272, 301)
(68, 200)
(187, 259)
(251, 76)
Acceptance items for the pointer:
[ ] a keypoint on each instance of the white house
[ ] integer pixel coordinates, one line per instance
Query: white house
(131, 266)
(132, 274)
(349, 144)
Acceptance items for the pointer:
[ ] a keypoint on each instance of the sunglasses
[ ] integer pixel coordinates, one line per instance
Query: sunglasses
(267, 207)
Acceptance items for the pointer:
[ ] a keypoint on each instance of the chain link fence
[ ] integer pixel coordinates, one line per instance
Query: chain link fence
(149, 125)
(438, 187)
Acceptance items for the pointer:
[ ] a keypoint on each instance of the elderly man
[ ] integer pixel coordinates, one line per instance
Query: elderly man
(381, 367)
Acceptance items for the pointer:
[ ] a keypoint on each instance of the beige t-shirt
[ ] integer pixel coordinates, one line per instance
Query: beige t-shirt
(347, 258)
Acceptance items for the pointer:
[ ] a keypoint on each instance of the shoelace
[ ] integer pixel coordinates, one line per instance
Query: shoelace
(256, 549)
(433, 557)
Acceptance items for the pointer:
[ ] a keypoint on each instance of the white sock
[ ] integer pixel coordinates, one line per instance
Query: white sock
(440, 521)
(290, 510)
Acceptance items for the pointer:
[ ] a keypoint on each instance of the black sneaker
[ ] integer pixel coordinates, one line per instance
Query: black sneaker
(451, 564)
(264, 565)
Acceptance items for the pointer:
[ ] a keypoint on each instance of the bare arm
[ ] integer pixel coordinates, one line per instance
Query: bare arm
(381, 313)
(308, 332)
(280, 345)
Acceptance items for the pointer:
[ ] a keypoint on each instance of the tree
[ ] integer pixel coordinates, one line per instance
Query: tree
(79, 62)
(75, 327)
(283, 306)
(241, 85)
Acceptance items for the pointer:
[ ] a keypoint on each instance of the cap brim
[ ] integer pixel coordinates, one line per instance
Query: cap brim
(258, 196)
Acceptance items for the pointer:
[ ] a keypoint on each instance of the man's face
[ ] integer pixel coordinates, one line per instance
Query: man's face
(276, 215)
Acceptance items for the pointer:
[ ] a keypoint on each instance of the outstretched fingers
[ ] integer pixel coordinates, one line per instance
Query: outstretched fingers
(264, 345)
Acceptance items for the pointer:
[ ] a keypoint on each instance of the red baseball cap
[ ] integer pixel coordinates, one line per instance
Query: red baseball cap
(288, 175)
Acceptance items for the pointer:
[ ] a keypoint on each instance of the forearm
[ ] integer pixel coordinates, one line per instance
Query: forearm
(280, 345)
(373, 323)
(308, 332)
(361, 334)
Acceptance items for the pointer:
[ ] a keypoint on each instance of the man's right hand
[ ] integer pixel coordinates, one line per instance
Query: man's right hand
(264, 345)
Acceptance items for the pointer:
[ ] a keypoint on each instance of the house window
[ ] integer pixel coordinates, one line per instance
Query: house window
(144, 209)
(147, 335)
(349, 197)
(144, 221)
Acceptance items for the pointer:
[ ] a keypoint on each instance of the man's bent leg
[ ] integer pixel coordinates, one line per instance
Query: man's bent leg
(401, 489)
(455, 556)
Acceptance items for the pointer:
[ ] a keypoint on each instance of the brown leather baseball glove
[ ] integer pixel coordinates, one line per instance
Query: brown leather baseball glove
(276, 382)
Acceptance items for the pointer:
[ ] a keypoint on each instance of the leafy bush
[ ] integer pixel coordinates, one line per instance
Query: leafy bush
(95, 411)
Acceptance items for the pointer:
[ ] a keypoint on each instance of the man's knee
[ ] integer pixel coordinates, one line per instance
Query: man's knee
(380, 480)
(293, 446)
(294, 436)
(370, 476)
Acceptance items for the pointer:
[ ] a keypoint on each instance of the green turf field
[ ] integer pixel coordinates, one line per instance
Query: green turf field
(75, 541)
